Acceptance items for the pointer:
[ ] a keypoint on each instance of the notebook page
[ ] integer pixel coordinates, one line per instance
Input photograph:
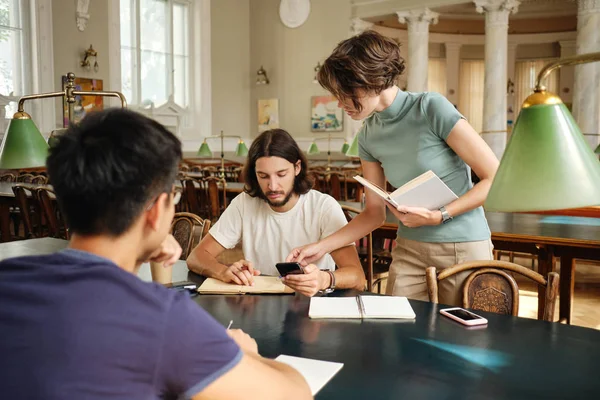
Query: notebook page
(333, 307)
(387, 307)
(317, 373)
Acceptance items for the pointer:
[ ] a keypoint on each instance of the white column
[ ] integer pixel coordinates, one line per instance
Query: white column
(496, 54)
(418, 45)
(357, 26)
(452, 71)
(586, 97)
(567, 74)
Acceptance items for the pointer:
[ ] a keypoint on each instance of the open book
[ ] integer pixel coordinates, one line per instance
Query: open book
(317, 373)
(426, 190)
(361, 307)
(262, 284)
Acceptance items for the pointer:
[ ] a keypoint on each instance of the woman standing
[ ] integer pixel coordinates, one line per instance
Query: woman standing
(405, 134)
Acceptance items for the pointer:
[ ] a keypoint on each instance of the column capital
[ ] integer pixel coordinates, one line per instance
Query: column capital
(358, 26)
(497, 5)
(588, 7)
(567, 44)
(418, 20)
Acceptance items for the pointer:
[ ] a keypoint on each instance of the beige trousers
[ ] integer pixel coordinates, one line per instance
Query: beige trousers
(410, 259)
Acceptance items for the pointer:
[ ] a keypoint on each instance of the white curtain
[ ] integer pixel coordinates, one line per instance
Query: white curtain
(525, 76)
(470, 91)
(436, 75)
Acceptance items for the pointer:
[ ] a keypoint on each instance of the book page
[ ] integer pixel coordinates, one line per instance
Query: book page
(333, 307)
(316, 372)
(413, 182)
(387, 307)
(376, 189)
(262, 284)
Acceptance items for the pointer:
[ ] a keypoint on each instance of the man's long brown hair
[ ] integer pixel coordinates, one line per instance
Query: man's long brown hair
(369, 62)
(275, 143)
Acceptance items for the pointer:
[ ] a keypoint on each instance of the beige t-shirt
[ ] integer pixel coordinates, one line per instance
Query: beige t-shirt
(268, 236)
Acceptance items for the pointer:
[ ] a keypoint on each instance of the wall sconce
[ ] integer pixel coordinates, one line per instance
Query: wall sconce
(85, 63)
(317, 68)
(510, 87)
(261, 77)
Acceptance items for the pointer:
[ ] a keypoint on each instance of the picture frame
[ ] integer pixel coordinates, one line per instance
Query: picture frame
(326, 116)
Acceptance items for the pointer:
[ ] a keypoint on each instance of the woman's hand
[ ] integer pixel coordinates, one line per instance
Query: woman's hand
(308, 254)
(413, 217)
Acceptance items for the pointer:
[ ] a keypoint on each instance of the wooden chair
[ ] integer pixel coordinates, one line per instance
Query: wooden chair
(29, 212)
(190, 197)
(334, 186)
(490, 288)
(384, 238)
(39, 179)
(216, 204)
(188, 229)
(57, 226)
(364, 247)
(8, 178)
(511, 256)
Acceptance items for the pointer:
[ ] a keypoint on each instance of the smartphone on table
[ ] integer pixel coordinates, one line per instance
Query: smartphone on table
(463, 316)
(289, 268)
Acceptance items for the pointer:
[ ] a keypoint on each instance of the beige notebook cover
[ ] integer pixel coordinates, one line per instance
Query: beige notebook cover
(392, 307)
(262, 284)
(426, 190)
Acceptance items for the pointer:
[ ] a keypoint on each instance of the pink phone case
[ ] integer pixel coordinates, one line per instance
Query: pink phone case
(479, 321)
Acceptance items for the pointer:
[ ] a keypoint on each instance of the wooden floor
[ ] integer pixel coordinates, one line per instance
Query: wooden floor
(586, 305)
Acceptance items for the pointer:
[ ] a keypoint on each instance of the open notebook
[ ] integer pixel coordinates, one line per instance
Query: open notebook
(361, 307)
(262, 284)
(426, 190)
(317, 373)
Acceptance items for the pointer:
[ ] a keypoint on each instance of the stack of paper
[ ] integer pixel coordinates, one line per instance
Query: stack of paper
(317, 373)
(361, 307)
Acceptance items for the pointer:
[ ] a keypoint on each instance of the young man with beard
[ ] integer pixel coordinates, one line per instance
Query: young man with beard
(277, 212)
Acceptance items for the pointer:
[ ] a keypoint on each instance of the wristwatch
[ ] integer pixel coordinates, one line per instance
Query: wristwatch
(331, 287)
(446, 217)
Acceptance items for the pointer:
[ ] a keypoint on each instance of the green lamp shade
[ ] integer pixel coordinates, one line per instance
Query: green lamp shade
(313, 149)
(597, 151)
(23, 146)
(345, 147)
(241, 150)
(204, 150)
(353, 150)
(547, 165)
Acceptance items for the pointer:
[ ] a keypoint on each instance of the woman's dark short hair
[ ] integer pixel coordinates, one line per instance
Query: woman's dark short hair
(370, 62)
(275, 143)
(106, 169)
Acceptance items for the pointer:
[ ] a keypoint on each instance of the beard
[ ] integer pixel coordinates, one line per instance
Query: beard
(279, 203)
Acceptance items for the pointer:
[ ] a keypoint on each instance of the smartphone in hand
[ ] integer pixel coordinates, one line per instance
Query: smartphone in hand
(463, 316)
(287, 268)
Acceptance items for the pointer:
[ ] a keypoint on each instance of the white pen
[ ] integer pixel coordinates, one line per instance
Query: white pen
(230, 322)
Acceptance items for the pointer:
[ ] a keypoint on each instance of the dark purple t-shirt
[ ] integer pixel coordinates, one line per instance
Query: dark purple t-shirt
(76, 326)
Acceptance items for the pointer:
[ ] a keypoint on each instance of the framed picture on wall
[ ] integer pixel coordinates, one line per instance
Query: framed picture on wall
(268, 114)
(326, 116)
(83, 104)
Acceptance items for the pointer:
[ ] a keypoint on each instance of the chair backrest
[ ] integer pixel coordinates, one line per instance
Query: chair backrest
(39, 179)
(190, 196)
(490, 288)
(335, 186)
(188, 229)
(364, 247)
(25, 178)
(8, 177)
(214, 200)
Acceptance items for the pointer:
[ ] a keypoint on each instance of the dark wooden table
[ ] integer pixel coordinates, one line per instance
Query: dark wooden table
(546, 236)
(431, 357)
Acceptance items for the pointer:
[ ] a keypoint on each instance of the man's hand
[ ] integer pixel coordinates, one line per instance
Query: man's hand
(310, 282)
(168, 253)
(246, 343)
(241, 273)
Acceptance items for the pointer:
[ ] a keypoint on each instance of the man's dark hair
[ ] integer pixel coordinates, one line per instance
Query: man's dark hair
(106, 169)
(275, 143)
(370, 62)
